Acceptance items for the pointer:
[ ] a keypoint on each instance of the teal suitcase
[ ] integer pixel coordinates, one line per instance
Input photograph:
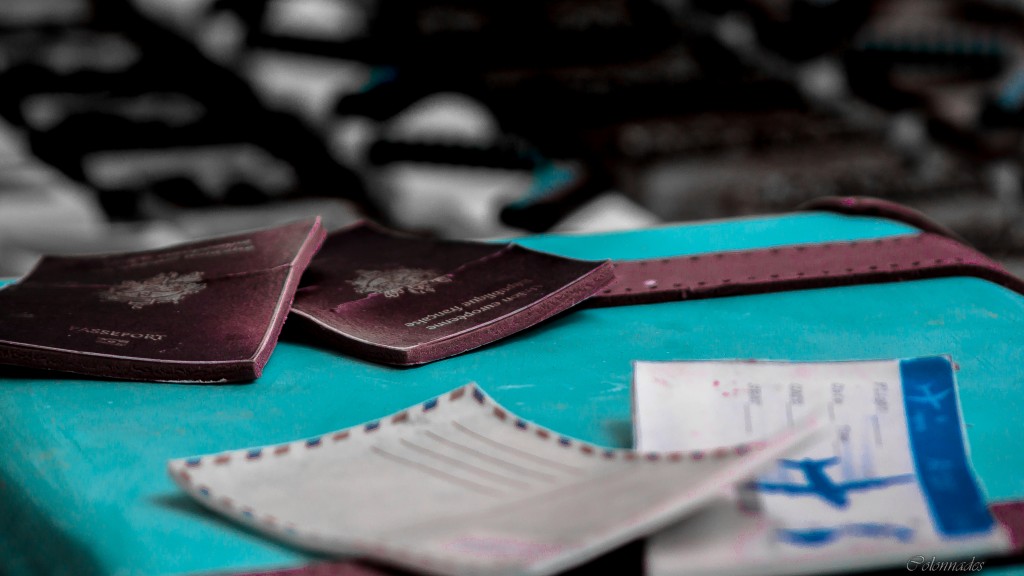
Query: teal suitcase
(83, 482)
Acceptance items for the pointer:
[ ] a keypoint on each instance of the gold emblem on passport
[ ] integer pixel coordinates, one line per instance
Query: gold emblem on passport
(393, 283)
(164, 288)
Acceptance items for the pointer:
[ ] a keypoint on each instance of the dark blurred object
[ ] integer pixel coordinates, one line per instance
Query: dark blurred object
(469, 119)
(133, 111)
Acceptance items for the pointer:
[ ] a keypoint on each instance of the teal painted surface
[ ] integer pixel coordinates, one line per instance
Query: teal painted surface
(717, 235)
(547, 178)
(82, 462)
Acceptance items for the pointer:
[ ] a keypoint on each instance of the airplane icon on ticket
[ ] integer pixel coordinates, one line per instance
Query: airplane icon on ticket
(928, 397)
(821, 485)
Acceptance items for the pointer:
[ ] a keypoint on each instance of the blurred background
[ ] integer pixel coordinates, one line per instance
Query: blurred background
(133, 124)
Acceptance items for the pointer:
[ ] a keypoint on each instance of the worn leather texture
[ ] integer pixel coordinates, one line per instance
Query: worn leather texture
(880, 208)
(799, 267)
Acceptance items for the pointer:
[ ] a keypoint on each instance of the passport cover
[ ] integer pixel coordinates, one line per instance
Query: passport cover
(402, 300)
(207, 311)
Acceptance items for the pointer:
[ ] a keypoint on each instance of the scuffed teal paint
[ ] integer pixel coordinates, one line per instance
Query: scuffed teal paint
(82, 462)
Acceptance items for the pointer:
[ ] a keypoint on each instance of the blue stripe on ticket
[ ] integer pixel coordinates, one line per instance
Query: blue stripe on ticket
(937, 443)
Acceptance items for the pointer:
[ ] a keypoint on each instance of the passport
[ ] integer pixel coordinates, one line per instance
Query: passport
(404, 300)
(208, 311)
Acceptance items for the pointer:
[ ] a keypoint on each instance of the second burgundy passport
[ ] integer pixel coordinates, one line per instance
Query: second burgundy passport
(401, 300)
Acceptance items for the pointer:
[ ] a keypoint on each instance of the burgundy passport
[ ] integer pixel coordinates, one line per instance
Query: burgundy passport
(207, 311)
(400, 300)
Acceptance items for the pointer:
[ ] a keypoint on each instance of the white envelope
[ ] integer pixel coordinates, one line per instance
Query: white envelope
(460, 485)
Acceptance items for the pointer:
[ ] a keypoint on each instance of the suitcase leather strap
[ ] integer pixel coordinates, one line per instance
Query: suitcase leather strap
(934, 253)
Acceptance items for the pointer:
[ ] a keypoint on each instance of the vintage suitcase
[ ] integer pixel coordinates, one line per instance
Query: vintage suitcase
(83, 482)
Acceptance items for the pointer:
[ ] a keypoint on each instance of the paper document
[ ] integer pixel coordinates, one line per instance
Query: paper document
(891, 483)
(459, 485)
